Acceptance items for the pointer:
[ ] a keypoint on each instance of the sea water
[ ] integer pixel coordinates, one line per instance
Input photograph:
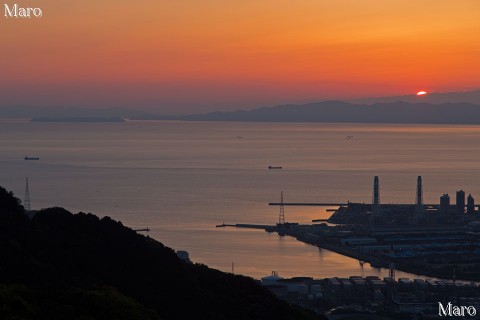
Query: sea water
(180, 179)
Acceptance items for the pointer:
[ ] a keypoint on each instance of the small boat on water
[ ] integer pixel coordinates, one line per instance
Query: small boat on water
(31, 158)
(272, 167)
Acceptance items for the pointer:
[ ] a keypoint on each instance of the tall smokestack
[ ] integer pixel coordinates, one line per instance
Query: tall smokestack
(375, 202)
(419, 200)
(376, 193)
(460, 204)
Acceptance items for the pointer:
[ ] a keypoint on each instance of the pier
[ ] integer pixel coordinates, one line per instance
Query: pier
(307, 204)
(265, 227)
(331, 204)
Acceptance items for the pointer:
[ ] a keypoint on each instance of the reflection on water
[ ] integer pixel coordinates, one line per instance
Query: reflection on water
(262, 253)
(181, 179)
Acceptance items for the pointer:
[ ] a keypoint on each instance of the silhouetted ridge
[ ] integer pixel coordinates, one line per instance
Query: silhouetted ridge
(343, 112)
(13, 221)
(61, 265)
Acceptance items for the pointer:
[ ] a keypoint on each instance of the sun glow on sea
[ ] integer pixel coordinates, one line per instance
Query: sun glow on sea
(421, 93)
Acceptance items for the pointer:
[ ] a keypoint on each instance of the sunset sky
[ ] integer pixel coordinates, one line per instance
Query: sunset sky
(194, 56)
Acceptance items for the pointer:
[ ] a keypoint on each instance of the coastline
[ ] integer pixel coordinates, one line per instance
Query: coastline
(314, 240)
(417, 268)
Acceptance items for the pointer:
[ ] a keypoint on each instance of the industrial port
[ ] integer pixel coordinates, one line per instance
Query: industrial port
(440, 240)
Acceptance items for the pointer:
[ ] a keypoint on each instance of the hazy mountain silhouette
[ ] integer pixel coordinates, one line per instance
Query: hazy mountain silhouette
(434, 97)
(54, 113)
(338, 111)
(433, 108)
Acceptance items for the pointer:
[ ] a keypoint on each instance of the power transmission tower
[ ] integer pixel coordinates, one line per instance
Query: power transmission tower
(26, 203)
(281, 216)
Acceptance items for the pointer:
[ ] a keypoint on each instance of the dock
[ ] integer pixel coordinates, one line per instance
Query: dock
(306, 204)
(247, 226)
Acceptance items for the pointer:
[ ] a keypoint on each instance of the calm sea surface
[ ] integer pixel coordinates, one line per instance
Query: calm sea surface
(180, 179)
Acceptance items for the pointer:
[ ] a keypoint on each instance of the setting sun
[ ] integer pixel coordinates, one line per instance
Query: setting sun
(421, 93)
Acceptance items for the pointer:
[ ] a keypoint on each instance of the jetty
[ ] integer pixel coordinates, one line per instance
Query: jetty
(307, 204)
(269, 228)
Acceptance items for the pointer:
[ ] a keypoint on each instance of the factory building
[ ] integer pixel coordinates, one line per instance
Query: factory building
(470, 205)
(444, 205)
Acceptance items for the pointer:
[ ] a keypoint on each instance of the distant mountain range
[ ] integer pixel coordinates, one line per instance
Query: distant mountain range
(338, 111)
(434, 97)
(434, 108)
(56, 113)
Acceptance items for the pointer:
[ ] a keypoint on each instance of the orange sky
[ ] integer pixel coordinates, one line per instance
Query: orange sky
(190, 55)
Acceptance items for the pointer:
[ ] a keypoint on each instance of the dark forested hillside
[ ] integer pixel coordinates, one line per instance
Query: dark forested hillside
(64, 266)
